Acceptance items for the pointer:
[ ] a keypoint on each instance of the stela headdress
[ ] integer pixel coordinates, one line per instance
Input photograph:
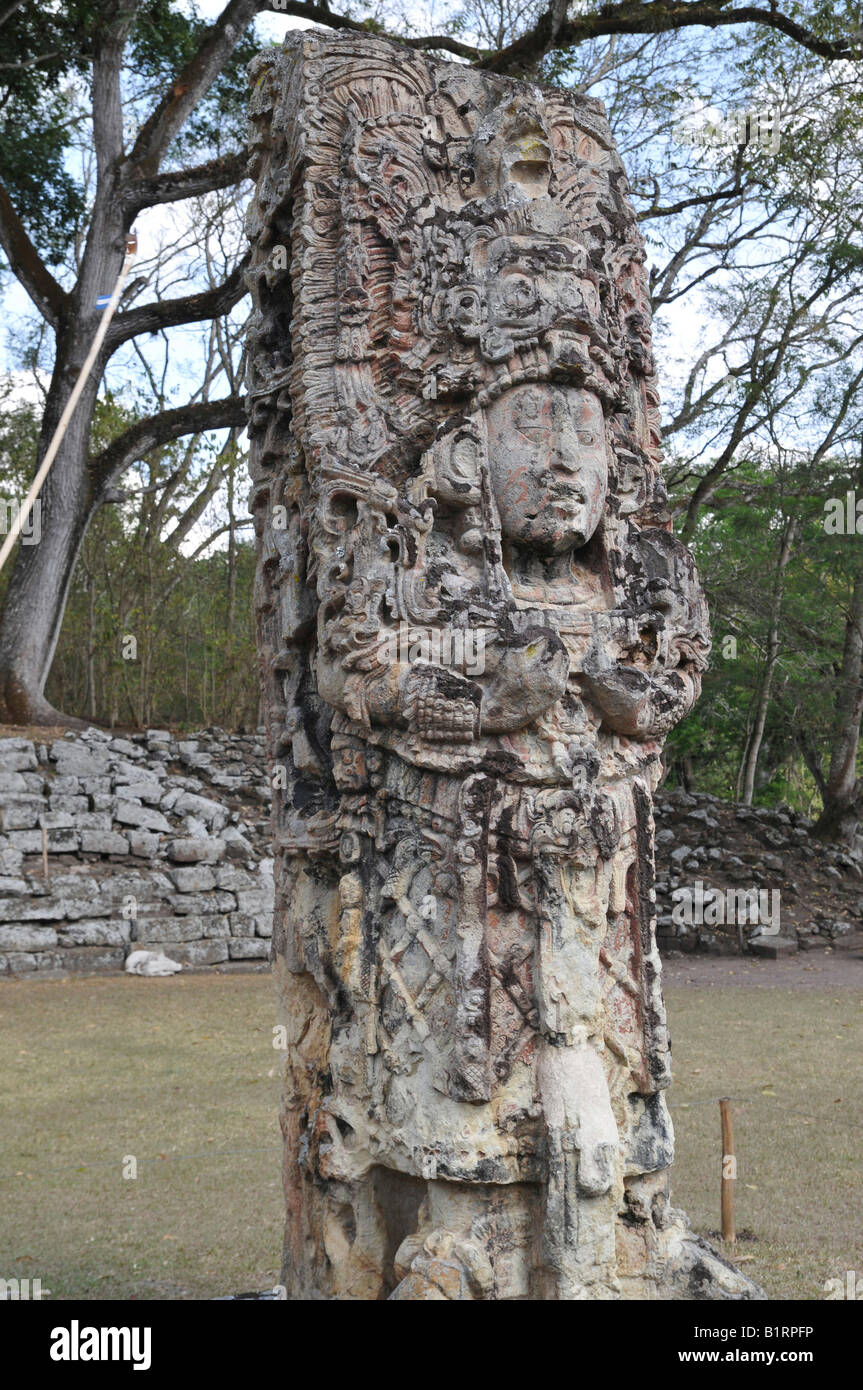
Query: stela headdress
(453, 267)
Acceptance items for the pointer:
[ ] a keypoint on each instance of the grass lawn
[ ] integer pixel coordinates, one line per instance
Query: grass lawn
(181, 1074)
(793, 1062)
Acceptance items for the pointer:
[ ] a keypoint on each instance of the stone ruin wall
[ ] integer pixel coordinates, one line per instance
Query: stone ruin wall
(154, 842)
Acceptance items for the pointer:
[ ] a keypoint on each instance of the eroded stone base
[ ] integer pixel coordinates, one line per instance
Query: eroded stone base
(392, 1236)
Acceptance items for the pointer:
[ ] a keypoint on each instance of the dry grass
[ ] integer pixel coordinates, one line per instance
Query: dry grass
(182, 1074)
(793, 1061)
(179, 1072)
(37, 733)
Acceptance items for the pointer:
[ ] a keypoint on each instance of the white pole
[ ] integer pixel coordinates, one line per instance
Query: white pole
(50, 453)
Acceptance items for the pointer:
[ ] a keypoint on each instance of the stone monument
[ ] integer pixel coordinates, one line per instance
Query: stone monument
(475, 630)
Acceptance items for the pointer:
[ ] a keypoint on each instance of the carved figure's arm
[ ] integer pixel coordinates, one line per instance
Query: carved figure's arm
(502, 684)
(634, 673)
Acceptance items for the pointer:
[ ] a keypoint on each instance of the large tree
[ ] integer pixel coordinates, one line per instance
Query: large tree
(121, 48)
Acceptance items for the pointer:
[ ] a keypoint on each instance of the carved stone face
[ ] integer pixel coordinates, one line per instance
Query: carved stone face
(549, 465)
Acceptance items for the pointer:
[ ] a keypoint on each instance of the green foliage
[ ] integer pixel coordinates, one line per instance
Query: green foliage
(193, 663)
(47, 57)
(163, 41)
(45, 49)
(149, 572)
(737, 546)
(191, 617)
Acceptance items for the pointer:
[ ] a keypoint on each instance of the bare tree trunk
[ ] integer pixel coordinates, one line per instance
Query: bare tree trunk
(738, 781)
(39, 582)
(91, 646)
(753, 745)
(40, 579)
(230, 702)
(841, 815)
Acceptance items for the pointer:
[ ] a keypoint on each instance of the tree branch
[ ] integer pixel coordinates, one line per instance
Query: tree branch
(171, 187)
(198, 505)
(684, 204)
(188, 308)
(319, 14)
(170, 114)
(655, 17)
(552, 31)
(50, 299)
(8, 10)
(29, 62)
(144, 435)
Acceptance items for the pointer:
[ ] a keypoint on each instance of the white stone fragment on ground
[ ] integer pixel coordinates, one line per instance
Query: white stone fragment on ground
(150, 963)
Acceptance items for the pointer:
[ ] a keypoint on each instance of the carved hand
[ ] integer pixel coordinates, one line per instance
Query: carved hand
(617, 685)
(442, 706)
(526, 680)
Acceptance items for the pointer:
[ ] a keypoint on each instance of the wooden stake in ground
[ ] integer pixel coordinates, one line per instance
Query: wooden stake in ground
(729, 1171)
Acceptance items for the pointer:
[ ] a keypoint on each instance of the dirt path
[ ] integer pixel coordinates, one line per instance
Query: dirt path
(824, 970)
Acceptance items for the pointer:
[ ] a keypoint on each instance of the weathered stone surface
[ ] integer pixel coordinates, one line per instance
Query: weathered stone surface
(477, 629)
(135, 773)
(143, 887)
(230, 877)
(89, 824)
(13, 887)
(144, 844)
(196, 878)
(236, 845)
(254, 901)
(11, 858)
(210, 812)
(191, 850)
(58, 820)
(12, 784)
(48, 908)
(149, 792)
(159, 929)
(218, 926)
(26, 938)
(130, 813)
(116, 932)
(79, 894)
(244, 924)
(99, 788)
(248, 948)
(21, 814)
(196, 952)
(59, 841)
(125, 747)
(17, 962)
(73, 759)
(104, 842)
(82, 959)
(71, 805)
(199, 903)
(772, 947)
(251, 924)
(19, 755)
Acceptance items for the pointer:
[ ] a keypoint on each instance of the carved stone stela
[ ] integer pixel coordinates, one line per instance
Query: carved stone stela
(475, 630)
